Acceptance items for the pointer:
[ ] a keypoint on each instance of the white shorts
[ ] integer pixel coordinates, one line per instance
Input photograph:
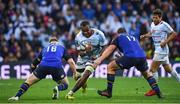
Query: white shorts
(164, 58)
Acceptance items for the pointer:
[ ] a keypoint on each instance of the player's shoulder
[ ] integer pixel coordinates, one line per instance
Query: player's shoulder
(165, 23)
(152, 24)
(78, 35)
(57, 44)
(97, 31)
(123, 35)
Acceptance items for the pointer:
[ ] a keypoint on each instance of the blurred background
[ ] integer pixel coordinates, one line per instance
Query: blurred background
(25, 25)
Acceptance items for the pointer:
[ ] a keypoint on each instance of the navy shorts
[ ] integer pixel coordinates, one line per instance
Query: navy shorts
(128, 62)
(56, 73)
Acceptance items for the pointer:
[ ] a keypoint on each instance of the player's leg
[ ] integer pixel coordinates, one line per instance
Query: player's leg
(60, 77)
(37, 75)
(80, 82)
(157, 60)
(112, 67)
(154, 68)
(24, 87)
(80, 73)
(62, 85)
(153, 84)
(169, 69)
(142, 66)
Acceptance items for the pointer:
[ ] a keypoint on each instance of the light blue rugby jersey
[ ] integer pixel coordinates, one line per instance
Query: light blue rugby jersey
(160, 33)
(97, 40)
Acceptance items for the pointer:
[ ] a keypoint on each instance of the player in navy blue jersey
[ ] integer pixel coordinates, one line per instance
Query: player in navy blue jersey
(133, 56)
(49, 61)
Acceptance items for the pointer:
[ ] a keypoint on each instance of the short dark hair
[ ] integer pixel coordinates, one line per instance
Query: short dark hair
(53, 38)
(121, 30)
(158, 12)
(85, 23)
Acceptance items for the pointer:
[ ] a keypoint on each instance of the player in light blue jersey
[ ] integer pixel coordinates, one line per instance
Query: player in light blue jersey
(49, 61)
(89, 44)
(161, 33)
(133, 55)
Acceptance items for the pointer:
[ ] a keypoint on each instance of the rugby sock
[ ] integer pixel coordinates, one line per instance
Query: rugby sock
(110, 81)
(24, 87)
(153, 84)
(155, 75)
(175, 75)
(62, 86)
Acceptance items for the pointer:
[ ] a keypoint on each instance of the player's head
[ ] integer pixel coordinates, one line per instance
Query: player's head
(53, 39)
(121, 30)
(85, 27)
(157, 16)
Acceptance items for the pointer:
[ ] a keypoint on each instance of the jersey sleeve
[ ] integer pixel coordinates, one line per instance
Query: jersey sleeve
(66, 56)
(40, 55)
(151, 27)
(38, 59)
(168, 28)
(114, 42)
(103, 40)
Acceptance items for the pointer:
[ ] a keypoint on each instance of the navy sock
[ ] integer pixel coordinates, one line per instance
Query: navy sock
(110, 81)
(62, 86)
(152, 82)
(24, 87)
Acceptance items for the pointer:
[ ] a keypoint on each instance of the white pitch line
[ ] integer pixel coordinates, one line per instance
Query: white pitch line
(7, 84)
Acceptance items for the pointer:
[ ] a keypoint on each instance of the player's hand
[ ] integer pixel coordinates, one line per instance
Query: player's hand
(162, 44)
(88, 47)
(142, 36)
(32, 67)
(96, 63)
(76, 75)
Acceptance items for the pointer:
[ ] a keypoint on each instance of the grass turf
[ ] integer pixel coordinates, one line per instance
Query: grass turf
(126, 90)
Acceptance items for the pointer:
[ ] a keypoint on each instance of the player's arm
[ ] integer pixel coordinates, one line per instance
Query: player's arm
(107, 52)
(171, 37)
(36, 61)
(71, 63)
(148, 35)
(171, 34)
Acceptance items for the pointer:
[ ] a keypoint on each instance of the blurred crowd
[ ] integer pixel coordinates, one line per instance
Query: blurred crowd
(25, 25)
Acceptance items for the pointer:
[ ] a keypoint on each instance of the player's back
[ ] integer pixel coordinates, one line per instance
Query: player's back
(129, 46)
(52, 55)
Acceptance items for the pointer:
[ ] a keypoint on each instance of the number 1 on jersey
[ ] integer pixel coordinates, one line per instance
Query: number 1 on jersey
(131, 38)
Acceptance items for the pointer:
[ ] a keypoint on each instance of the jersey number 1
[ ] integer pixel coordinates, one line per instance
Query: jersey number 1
(131, 38)
(51, 48)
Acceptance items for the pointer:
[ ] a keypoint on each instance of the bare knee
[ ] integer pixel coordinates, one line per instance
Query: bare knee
(154, 66)
(146, 74)
(32, 79)
(167, 68)
(112, 67)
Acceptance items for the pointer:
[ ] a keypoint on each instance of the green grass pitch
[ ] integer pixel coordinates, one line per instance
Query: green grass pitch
(126, 90)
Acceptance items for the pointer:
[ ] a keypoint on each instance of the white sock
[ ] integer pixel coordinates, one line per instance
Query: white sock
(175, 75)
(155, 75)
(70, 92)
